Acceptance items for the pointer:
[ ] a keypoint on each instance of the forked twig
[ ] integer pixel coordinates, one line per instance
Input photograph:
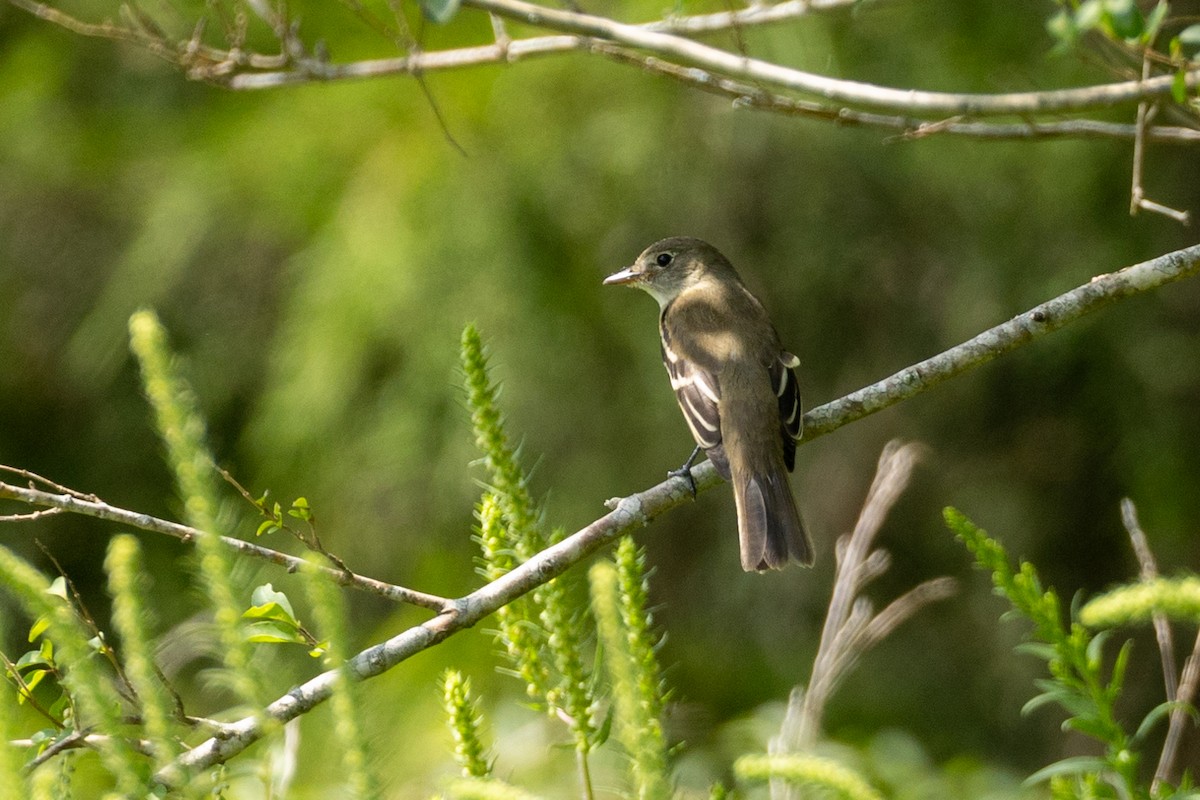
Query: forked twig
(851, 626)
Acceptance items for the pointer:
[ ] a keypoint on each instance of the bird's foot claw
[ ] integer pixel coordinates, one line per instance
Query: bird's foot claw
(685, 472)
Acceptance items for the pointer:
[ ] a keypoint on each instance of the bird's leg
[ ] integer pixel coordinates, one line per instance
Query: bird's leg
(686, 470)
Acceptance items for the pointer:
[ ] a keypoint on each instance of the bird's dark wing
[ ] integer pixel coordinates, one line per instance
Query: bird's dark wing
(787, 389)
(699, 397)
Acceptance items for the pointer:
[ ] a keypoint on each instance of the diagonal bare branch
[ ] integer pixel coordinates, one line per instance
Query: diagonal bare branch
(628, 514)
(1097, 293)
(90, 506)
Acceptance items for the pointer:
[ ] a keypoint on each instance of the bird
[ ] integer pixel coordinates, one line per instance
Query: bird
(736, 386)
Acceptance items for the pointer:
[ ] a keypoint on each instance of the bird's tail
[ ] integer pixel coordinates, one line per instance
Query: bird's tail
(768, 522)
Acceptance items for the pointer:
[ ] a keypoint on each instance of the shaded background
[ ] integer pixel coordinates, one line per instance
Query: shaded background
(315, 253)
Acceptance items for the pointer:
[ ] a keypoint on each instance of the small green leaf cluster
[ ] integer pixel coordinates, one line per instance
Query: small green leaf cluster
(274, 514)
(465, 721)
(77, 681)
(85, 695)
(272, 620)
(623, 623)
(624, 627)
(1120, 20)
(547, 635)
(1124, 22)
(1078, 682)
(543, 633)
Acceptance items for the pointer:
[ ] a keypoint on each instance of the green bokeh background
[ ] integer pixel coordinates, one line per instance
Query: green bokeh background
(315, 253)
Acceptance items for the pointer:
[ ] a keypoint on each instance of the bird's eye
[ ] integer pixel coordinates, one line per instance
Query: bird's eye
(663, 259)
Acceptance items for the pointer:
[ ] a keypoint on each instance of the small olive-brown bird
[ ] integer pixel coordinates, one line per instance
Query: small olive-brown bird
(736, 386)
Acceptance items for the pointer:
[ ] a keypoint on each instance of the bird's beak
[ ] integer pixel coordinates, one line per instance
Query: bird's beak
(627, 275)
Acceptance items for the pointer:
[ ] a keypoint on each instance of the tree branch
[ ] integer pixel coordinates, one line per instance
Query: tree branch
(745, 95)
(628, 514)
(639, 509)
(1021, 329)
(76, 503)
(677, 49)
(662, 46)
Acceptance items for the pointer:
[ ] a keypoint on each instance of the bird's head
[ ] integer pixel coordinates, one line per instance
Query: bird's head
(667, 267)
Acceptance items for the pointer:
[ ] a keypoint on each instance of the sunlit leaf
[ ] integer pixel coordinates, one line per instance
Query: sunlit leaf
(1125, 18)
(1088, 15)
(265, 595)
(1189, 37)
(1077, 765)
(1155, 21)
(440, 11)
(39, 627)
(273, 631)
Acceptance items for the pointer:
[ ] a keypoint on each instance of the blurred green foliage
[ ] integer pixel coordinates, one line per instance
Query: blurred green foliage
(315, 253)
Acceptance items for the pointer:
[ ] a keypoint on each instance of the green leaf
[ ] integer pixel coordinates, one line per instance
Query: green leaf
(1062, 28)
(39, 627)
(270, 611)
(605, 729)
(33, 658)
(273, 631)
(1077, 765)
(1113, 690)
(440, 11)
(1155, 21)
(1090, 726)
(1157, 713)
(1189, 37)
(58, 587)
(267, 526)
(1044, 651)
(1179, 88)
(1125, 18)
(266, 595)
(1095, 650)
(1043, 699)
(31, 681)
(1088, 15)
(300, 509)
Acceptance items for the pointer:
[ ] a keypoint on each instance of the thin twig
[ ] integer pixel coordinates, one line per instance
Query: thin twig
(686, 51)
(629, 514)
(847, 619)
(14, 675)
(745, 95)
(1137, 194)
(1149, 571)
(664, 41)
(75, 741)
(101, 510)
(125, 688)
(31, 516)
(1179, 715)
